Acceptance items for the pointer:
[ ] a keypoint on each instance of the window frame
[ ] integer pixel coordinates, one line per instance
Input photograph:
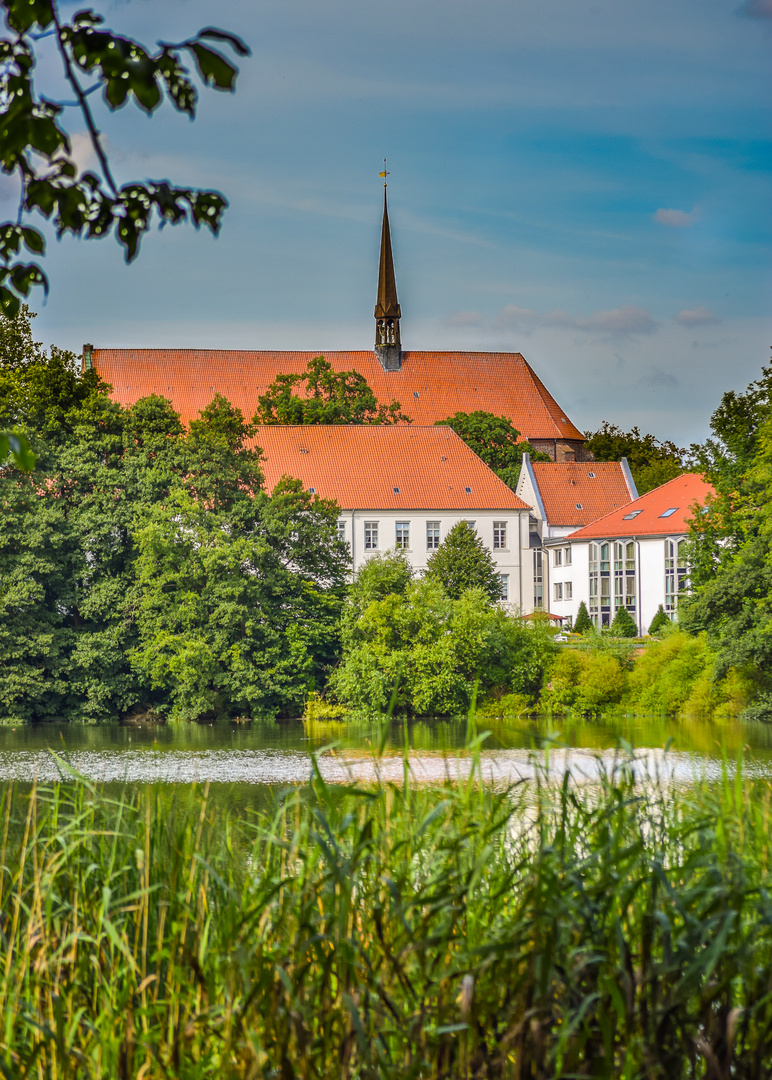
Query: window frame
(371, 529)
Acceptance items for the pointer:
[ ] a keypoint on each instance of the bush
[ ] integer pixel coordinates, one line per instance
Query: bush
(585, 681)
(583, 622)
(432, 647)
(661, 621)
(675, 676)
(624, 624)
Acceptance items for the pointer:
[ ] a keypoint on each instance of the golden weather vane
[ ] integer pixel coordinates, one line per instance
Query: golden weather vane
(385, 173)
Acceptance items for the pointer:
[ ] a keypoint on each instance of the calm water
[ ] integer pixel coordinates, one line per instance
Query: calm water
(247, 763)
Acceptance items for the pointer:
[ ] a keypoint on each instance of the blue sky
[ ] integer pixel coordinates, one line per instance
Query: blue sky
(585, 182)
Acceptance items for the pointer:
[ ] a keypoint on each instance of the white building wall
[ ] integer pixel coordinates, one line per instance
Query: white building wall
(507, 560)
(650, 573)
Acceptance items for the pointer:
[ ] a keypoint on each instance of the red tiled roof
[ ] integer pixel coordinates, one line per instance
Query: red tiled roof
(679, 495)
(430, 386)
(576, 493)
(360, 465)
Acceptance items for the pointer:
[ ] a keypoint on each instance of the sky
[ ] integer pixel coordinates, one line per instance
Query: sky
(583, 181)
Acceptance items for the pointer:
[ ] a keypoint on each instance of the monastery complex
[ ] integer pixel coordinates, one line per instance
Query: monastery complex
(569, 534)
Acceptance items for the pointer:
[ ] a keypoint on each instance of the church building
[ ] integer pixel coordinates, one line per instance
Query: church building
(429, 386)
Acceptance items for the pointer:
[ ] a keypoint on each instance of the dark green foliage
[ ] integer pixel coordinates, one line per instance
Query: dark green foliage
(494, 439)
(583, 622)
(326, 397)
(651, 462)
(730, 553)
(623, 624)
(463, 562)
(661, 621)
(36, 145)
(409, 634)
(143, 563)
(392, 932)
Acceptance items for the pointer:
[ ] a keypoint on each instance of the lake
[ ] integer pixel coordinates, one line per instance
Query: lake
(247, 763)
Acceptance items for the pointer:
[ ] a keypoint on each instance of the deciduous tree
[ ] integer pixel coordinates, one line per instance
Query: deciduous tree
(651, 461)
(495, 440)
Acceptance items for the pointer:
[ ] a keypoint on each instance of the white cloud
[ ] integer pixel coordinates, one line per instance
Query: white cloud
(676, 219)
(757, 9)
(464, 318)
(699, 316)
(627, 319)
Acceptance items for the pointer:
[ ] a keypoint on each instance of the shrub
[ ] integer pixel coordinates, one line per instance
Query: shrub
(675, 676)
(661, 621)
(583, 622)
(585, 681)
(624, 624)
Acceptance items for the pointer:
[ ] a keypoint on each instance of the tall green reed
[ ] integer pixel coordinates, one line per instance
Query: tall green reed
(550, 930)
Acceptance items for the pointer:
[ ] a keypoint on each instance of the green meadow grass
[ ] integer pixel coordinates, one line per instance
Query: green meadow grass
(604, 930)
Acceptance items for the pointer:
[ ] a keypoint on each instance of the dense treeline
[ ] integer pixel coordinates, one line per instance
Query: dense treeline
(143, 565)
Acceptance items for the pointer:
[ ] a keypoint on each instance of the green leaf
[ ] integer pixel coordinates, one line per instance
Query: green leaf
(214, 69)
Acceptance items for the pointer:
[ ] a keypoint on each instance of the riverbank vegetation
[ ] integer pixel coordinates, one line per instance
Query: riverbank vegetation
(457, 931)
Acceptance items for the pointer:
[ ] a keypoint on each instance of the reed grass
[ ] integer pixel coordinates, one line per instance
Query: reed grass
(606, 930)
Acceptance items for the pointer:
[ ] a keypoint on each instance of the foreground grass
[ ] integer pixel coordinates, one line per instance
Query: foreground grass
(394, 932)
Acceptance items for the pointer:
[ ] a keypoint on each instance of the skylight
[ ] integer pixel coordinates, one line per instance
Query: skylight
(631, 515)
(312, 491)
(396, 491)
(591, 475)
(468, 491)
(416, 394)
(667, 513)
(579, 506)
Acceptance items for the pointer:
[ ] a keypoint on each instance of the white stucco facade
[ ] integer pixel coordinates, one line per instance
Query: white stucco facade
(420, 532)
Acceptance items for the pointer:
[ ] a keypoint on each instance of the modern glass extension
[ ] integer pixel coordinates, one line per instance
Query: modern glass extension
(604, 600)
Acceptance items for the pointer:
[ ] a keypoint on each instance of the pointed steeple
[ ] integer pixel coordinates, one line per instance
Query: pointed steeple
(388, 347)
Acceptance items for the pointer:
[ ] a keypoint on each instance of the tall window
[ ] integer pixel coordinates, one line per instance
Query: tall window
(499, 535)
(538, 580)
(675, 573)
(600, 583)
(342, 530)
(503, 586)
(567, 556)
(568, 590)
(557, 557)
(557, 588)
(371, 536)
(624, 574)
(403, 534)
(432, 535)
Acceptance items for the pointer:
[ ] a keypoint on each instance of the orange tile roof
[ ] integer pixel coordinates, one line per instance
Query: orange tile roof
(679, 495)
(360, 466)
(576, 493)
(430, 386)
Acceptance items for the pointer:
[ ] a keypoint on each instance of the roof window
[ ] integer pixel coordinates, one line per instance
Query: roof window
(631, 515)
(312, 491)
(591, 475)
(668, 513)
(303, 450)
(416, 394)
(468, 491)
(396, 491)
(579, 506)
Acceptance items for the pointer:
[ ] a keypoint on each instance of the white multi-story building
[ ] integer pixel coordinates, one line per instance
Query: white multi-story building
(633, 557)
(403, 487)
(563, 497)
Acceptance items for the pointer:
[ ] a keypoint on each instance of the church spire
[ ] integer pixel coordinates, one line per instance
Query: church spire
(388, 347)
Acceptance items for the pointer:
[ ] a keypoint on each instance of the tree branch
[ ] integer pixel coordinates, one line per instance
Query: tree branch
(83, 103)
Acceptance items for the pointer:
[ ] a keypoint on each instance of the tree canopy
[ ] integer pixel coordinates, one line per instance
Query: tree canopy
(409, 635)
(462, 562)
(328, 397)
(495, 440)
(730, 553)
(651, 462)
(36, 146)
(144, 564)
